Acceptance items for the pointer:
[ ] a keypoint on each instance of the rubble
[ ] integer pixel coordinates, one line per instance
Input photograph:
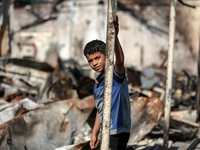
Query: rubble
(63, 116)
(46, 127)
(9, 111)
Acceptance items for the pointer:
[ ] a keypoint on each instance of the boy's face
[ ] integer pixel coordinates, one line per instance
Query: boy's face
(96, 61)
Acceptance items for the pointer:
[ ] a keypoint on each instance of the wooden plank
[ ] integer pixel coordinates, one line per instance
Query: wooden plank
(185, 145)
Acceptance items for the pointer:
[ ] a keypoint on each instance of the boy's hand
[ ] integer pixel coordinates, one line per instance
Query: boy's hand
(94, 142)
(116, 25)
(97, 143)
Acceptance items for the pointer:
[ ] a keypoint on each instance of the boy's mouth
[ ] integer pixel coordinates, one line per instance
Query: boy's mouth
(97, 68)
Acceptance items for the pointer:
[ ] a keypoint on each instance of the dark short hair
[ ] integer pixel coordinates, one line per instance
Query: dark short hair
(95, 46)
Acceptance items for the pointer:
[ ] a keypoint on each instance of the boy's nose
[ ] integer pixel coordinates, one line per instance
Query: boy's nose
(94, 63)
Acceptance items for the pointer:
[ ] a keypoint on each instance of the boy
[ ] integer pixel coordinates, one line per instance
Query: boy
(94, 52)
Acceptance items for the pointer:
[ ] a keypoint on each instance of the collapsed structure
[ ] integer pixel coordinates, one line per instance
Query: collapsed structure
(47, 108)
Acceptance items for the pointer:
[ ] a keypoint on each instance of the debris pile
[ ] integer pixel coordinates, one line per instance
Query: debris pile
(42, 107)
(48, 108)
(150, 83)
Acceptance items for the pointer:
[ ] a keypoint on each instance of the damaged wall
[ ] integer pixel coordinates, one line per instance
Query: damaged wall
(53, 31)
(143, 31)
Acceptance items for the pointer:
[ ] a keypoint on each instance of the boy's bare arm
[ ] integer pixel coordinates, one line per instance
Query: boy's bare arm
(119, 64)
(94, 141)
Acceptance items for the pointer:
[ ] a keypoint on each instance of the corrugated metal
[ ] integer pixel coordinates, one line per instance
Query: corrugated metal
(47, 127)
(145, 113)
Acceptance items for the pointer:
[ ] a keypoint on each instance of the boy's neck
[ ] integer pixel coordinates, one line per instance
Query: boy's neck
(102, 73)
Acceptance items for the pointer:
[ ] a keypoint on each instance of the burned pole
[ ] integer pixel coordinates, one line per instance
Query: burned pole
(109, 61)
(169, 73)
(198, 83)
(5, 14)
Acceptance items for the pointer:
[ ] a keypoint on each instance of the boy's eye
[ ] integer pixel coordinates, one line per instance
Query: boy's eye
(97, 57)
(89, 61)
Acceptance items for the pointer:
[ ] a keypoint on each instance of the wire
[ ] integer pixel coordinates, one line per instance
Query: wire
(183, 3)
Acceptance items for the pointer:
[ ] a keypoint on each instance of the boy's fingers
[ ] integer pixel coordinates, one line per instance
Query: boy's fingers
(91, 144)
(97, 143)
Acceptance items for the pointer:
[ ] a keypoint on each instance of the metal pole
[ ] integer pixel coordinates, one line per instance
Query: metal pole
(109, 59)
(169, 73)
